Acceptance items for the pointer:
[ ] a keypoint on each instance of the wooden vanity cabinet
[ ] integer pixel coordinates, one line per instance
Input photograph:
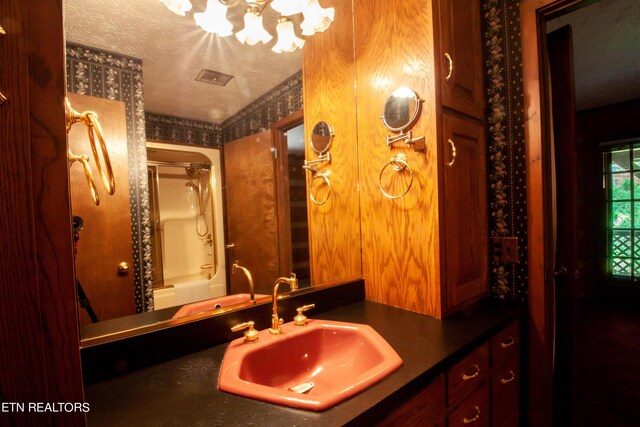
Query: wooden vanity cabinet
(426, 251)
(464, 207)
(480, 390)
(505, 379)
(460, 56)
(462, 152)
(426, 408)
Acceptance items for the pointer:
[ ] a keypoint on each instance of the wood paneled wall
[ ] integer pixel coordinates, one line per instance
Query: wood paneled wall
(39, 346)
(395, 47)
(328, 84)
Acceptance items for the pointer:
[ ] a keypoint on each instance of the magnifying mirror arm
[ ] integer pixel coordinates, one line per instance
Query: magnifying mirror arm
(418, 144)
(314, 165)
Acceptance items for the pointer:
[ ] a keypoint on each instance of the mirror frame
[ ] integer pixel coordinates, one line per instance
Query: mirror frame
(412, 120)
(313, 133)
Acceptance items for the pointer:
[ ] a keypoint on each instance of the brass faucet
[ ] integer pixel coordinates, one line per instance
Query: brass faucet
(247, 273)
(275, 320)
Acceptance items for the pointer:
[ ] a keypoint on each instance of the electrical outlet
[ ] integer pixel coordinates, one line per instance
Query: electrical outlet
(505, 249)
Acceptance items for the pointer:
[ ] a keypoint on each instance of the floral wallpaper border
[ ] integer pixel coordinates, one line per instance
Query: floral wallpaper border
(279, 102)
(109, 75)
(505, 141)
(181, 130)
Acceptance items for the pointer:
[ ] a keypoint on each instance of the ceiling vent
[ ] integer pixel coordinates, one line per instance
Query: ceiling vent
(213, 77)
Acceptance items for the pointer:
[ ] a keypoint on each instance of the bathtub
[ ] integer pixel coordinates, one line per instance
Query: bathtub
(166, 296)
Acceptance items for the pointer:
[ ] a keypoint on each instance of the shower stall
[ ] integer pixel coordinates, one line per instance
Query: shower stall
(187, 234)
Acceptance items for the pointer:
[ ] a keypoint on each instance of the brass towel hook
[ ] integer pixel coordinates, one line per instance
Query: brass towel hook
(90, 120)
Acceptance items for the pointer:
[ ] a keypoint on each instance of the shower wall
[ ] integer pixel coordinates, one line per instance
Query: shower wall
(189, 221)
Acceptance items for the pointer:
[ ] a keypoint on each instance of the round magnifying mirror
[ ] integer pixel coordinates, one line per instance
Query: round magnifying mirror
(401, 109)
(321, 137)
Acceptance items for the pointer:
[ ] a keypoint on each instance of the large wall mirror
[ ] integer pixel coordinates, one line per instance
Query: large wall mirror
(204, 208)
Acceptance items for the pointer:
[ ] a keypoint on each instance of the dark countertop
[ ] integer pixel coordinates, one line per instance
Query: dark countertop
(184, 392)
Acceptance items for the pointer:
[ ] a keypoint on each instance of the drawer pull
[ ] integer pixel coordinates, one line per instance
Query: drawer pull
(466, 420)
(473, 374)
(511, 377)
(511, 341)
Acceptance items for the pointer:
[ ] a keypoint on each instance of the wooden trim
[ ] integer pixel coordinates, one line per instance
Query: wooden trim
(278, 130)
(541, 316)
(39, 329)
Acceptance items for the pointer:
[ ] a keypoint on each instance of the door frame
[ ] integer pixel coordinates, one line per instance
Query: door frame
(533, 14)
(278, 130)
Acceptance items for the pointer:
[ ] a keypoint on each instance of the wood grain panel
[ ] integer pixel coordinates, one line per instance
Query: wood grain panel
(461, 38)
(395, 47)
(475, 410)
(105, 240)
(464, 224)
(251, 210)
(425, 409)
(538, 220)
(38, 327)
(328, 84)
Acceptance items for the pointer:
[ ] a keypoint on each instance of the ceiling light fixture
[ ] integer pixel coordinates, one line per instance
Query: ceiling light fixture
(287, 39)
(181, 7)
(253, 32)
(214, 20)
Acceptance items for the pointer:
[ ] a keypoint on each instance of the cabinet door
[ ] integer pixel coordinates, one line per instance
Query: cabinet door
(425, 409)
(464, 218)
(505, 392)
(461, 56)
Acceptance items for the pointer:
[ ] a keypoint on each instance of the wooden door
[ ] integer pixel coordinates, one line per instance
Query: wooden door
(461, 56)
(560, 51)
(464, 219)
(105, 240)
(250, 196)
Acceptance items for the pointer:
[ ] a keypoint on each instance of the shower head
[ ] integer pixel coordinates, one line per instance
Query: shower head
(192, 172)
(192, 185)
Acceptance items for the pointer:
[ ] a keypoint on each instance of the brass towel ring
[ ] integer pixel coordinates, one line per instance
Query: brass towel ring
(324, 176)
(398, 163)
(90, 119)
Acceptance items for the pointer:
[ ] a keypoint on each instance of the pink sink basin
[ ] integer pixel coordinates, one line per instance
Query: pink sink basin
(212, 304)
(325, 362)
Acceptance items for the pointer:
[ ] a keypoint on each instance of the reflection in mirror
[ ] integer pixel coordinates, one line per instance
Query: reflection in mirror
(401, 109)
(321, 137)
(126, 58)
(185, 212)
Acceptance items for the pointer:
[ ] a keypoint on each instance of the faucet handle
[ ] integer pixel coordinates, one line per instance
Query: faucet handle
(301, 319)
(250, 334)
(293, 281)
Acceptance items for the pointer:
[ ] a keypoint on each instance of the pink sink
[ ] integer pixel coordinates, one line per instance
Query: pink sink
(325, 362)
(212, 304)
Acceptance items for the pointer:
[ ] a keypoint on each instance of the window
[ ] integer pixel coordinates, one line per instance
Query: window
(622, 183)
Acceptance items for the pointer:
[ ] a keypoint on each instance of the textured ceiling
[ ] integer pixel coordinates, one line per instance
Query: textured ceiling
(174, 49)
(606, 39)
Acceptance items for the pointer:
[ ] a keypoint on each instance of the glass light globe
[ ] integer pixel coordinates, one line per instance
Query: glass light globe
(214, 19)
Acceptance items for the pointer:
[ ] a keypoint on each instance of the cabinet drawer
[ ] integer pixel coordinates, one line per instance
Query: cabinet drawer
(474, 410)
(505, 343)
(505, 391)
(426, 408)
(467, 374)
